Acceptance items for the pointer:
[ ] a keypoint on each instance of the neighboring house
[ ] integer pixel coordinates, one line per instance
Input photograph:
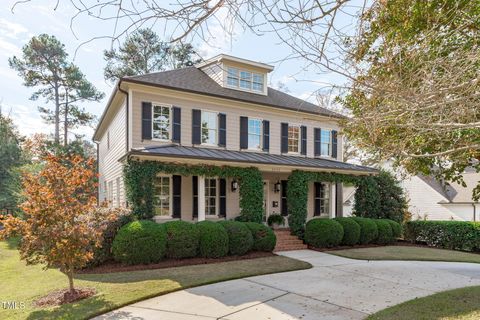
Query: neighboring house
(219, 113)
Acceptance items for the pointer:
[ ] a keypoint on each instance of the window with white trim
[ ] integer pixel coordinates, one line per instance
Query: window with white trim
(245, 80)
(211, 196)
(162, 196)
(326, 143)
(293, 139)
(209, 127)
(254, 134)
(323, 198)
(161, 122)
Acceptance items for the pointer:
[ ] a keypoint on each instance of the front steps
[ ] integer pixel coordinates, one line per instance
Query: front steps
(287, 242)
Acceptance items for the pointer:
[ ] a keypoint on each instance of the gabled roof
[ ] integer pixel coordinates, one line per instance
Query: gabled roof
(454, 192)
(177, 151)
(191, 79)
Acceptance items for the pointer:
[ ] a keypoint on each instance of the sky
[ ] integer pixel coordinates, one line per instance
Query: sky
(39, 16)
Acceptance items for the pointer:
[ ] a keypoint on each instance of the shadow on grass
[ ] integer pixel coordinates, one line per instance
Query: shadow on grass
(76, 310)
(13, 242)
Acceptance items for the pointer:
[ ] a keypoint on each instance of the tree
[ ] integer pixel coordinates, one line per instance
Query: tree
(143, 52)
(380, 197)
(63, 191)
(11, 158)
(44, 64)
(416, 98)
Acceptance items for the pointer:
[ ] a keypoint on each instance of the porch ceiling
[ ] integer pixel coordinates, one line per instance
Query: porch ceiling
(179, 153)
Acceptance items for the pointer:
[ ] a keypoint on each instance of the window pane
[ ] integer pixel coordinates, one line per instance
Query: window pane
(257, 84)
(232, 77)
(245, 80)
(293, 138)
(209, 127)
(161, 122)
(162, 196)
(254, 133)
(210, 196)
(325, 140)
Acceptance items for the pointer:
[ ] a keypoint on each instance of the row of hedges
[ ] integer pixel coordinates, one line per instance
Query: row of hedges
(456, 235)
(326, 233)
(143, 241)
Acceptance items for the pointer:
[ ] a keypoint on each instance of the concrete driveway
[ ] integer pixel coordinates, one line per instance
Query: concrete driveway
(335, 288)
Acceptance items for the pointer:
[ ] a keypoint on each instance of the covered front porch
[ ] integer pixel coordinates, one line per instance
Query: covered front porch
(196, 184)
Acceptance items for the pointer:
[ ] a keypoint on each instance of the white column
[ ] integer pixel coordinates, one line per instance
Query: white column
(201, 198)
(333, 200)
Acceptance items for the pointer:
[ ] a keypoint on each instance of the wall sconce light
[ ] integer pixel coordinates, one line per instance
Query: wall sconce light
(277, 186)
(234, 185)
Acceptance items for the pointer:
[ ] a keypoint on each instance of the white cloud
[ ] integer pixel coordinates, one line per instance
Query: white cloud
(11, 29)
(220, 35)
(8, 49)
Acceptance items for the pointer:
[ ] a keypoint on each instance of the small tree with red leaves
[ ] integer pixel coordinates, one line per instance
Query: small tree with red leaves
(61, 222)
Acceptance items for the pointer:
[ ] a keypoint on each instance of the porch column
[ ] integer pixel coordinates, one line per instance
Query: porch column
(333, 200)
(201, 198)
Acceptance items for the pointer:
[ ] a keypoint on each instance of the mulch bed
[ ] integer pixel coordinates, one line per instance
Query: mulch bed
(59, 297)
(110, 267)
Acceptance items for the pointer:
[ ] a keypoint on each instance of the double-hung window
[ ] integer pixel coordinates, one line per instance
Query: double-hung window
(245, 80)
(161, 122)
(326, 143)
(209, 127)
(232, 77)
(162, 201)
(254, 134)
(293, 139)
(322, 198)
(211, 196)
(257, 83)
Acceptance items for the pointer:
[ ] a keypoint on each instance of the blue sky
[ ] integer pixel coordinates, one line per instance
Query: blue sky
(37, 17)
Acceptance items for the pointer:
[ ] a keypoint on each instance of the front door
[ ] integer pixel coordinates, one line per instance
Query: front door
(266, 209)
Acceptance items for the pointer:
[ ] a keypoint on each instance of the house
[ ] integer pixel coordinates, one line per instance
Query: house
(431, 199)
(218, 113)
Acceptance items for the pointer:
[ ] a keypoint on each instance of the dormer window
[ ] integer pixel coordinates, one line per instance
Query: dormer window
(245, 80)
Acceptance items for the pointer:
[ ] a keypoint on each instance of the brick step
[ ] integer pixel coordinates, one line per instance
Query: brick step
(290, 248)
(289, 241)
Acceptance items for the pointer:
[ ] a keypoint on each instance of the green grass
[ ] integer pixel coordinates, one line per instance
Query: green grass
(458, 304)
(407, 253)
(25, 284)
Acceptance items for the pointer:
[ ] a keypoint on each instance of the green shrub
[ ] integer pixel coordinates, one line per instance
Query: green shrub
(240, 239)
(351, 231)
(213, 240)
(396, 228)
(385, 233)
(275, 219)
(321, 233)
(264, 238)
(456, 235)
(368, 230)
(140, 242)
(182, 239)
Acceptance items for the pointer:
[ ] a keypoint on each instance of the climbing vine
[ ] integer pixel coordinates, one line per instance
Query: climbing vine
(139, 177)
(297, 194)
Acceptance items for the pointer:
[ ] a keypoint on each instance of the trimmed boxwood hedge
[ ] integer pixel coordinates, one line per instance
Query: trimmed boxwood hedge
(321, 233)
(368, 230)
(240, 239)
(351, 231)
(396, 228)
(385, 233)
(213, 240)
(456, 235)
(182, 239)
(264, 238)
(140, 242)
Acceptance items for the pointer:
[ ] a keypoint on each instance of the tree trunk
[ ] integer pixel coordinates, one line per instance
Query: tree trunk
(65, 123)
(57, 114)
(70, 281)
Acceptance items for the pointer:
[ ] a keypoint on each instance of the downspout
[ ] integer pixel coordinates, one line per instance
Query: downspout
(474, 212)
(126, 112)
(98, 168)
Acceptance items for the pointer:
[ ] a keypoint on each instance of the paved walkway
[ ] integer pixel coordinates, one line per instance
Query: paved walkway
(335, 288)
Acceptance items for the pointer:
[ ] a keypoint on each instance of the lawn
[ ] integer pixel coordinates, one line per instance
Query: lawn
(24, 284)
(458, 304)
(407, 253)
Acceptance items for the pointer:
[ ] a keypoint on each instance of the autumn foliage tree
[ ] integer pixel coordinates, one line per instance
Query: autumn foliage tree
(61, 222)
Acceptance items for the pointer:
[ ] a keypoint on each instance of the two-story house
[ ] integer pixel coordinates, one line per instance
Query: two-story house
(220, 112)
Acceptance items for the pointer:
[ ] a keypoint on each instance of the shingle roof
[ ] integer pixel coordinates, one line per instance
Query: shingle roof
(248, 157)
(194, 80)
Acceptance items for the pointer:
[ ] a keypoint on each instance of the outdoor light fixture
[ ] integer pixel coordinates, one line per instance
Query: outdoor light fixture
(234, 185)
(276, 186)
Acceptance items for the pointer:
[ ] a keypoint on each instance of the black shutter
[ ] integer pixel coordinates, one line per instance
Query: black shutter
(338, 199)
(303, 139)
(284, 137)
(195, 196)
(243, 132)
(316, 142)
(177, 121)
(196, 126)
(317, 189)
(334, 144)
(284, 204)
(266, 135)
(222, 129)
(177, 196)
(223, 198)
(146, 120)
